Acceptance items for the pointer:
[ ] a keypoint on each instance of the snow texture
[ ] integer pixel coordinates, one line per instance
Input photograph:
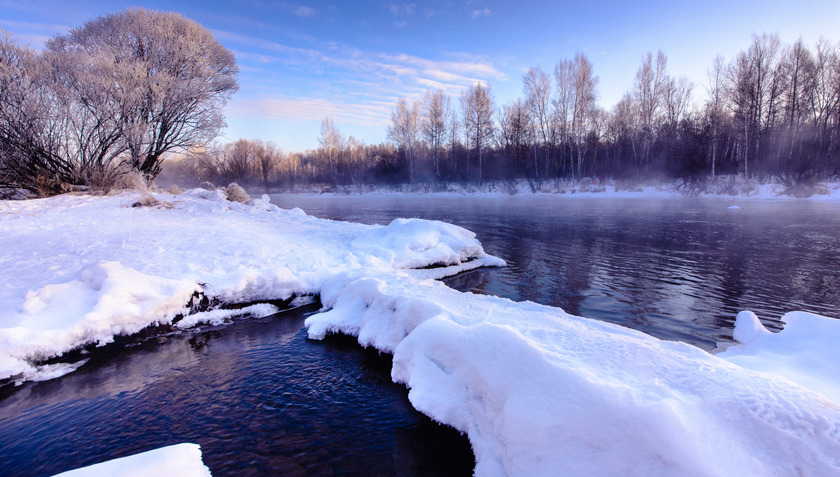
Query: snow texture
(805, 351)
(181, 460)
(80, 270)
(541, 392)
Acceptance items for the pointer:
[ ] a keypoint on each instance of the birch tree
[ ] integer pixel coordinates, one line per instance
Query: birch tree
(436, 110)
(477, 106)
(537, 89)
(404, 130)
(332, 144)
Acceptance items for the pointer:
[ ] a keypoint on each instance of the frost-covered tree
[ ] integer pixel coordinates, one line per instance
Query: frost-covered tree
(113, 95)
(404, 130)
(332, 145)
(31, 130)
(477, 106)
(436, 110)
(537, 89)
(161, 77)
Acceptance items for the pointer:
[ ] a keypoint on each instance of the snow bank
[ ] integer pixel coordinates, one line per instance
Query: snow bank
(806, 351)
(541, 392)
(182, 460)
(81, 270)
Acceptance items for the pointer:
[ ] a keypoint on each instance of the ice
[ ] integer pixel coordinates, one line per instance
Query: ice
(181, 460)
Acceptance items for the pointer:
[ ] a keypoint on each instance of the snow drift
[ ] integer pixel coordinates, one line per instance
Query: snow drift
(80, 270)
(541, 392)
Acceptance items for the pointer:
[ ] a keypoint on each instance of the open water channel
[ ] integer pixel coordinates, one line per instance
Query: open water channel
(261, 399)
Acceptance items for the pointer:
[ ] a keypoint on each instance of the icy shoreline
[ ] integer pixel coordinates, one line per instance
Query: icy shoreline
(86, 269)
(538, 391)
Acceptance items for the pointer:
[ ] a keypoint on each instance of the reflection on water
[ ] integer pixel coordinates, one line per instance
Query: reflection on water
(677, 269)
(257, 396)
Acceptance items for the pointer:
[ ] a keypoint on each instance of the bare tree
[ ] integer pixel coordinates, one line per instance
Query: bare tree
(436, 112)
(584, 111)
(715, 103)
(755, 91)
(514, 134)
(537, 89)
(332, 145)
(403, 131)
(166, 77)
(477, 105)
(648, 91)
(267, 157)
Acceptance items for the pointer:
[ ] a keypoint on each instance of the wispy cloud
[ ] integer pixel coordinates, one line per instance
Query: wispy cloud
(398, 9)
(33, 34)
(484, 12)
(349, 84)
(365, 113)
(304, 11)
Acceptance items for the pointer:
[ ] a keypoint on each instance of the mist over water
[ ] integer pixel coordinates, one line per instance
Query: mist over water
(678, 269)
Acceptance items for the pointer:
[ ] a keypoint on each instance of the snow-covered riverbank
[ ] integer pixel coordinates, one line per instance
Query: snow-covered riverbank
(724, 188)
(538, 391)
(82, 269)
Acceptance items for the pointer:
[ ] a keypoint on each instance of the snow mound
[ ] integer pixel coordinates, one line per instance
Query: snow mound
(80, 270)
(805, 351)
(541, 392)
(182, 460)
(418, 243)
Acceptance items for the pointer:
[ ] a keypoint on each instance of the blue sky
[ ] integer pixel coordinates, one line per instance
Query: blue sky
(350, 60)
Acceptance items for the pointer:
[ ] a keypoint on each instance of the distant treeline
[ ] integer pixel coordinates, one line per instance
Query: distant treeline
(773, 111)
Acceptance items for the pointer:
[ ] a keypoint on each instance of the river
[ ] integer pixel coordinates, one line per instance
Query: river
(262, 399)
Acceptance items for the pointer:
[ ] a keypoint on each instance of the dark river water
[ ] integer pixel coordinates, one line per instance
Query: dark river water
(678, 269)
(261, 399)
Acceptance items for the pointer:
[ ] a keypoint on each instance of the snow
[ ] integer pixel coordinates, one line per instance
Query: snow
(80, 270)
(182, 460)
(805, 351)
(537, 391)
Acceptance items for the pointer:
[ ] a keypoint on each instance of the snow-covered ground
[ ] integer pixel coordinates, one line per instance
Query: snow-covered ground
(181, 460)
(82, 269)
(538, 391)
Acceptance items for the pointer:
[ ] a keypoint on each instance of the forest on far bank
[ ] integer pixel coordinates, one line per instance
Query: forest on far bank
(772, 112)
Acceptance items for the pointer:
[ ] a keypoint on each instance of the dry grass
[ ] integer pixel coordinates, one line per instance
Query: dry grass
(235, 193)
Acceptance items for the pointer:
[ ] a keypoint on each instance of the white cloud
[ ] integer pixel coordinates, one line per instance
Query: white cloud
(398, 9)
(304, 11)
(485, 12)
(351, 85)
(366, 113)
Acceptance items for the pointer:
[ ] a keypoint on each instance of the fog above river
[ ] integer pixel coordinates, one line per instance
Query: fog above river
(676, 268)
